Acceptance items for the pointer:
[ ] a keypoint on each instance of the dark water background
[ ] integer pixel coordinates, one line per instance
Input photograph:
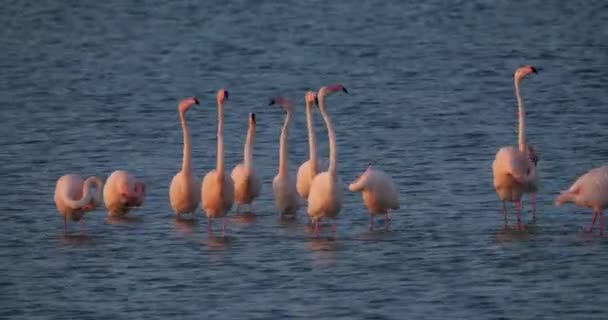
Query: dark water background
(92, 86)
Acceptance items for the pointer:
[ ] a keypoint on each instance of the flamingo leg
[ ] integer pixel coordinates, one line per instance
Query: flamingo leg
(518, 211)
(223, 226)
(590, 229)
(65, 224)
(316, 227)
(601, 214)
(533, 200)
(371, 222)
(387, 221)
(238, 208)
(504, 211)
(81, 224)
(209, 226)
(333, 227)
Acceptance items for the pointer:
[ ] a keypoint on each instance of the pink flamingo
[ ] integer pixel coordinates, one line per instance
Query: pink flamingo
(247, 184)
(73, 197)
(122, 192)
(325, 195)
(184, 194)
(514, 168)
(309, 169)
(218, 188)
(379, 193)
(591, 191)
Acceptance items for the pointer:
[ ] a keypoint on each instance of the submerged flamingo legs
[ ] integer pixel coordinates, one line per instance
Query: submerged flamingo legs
(533, 201)
(518, 211)
(371, 222)
(387, 222)
(590, 229)
(601, 223)
(504, 211)
(209, 226)
(223, 226)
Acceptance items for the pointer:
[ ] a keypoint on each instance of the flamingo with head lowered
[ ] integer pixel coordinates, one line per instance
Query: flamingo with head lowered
(514, 168)
(218, 188)
(309, 169)
(283, 184)
(325, 195)
(379, 193)
(184, 194)
(73, 197)
(121, 192)
(591, 191)
(247, 184)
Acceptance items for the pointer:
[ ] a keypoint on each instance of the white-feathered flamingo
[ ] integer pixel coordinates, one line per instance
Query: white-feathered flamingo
(591, 191)
(73, 197)
(121, 192)
(325, 196)
(184, 194)
(247, 184)
(309, 169)
(514, 168)
(379, 193)
(218, 188)
(283, 184)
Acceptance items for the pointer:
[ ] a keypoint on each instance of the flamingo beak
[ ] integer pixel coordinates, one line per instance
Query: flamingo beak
(195, 100)
(226, 94)
(271, 102)
(253, 118)
(344, 89)
(534, 70)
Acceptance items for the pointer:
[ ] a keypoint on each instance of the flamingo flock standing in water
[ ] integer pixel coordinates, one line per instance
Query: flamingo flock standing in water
(514, 174)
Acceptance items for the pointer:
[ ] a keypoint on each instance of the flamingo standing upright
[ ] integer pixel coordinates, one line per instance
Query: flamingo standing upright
(311, 167)
(325, 195)
(218, 188)
(247, 184)
(283, 184)
(514, 168)
(184, 194)
(379, 193)
(591, 191)
(73, 197)
(121, 192)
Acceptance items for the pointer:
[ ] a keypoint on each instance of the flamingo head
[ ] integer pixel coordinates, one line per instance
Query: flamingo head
(252, 119)
(524, 71)
(311, 98)
(185, 104)
(532, 154)
(332, 88)
(222, 95)
(283, 102)
(140, 192)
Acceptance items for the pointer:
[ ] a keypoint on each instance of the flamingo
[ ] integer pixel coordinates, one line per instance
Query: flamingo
(325, 196)
(73, 197)
(247, 184)
(218, 188)
(183, 191)
(309, 169)
(379, 193)
(514, 168)
(121, 192)
(283, 184)
(591, 191)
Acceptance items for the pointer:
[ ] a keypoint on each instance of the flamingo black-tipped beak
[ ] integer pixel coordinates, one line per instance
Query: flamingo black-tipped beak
(344, 89)
(252, 116)
(195, 100)
(271, 102)
(226, 94)
(534, 70)
(316, 101)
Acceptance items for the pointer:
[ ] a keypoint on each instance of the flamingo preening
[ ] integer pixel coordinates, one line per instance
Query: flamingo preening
(184, 194)
(218, 188)
(589, 190)
(514, 168)
(283, 184)
(121, 192)
(73, 197)
(325, 195)
(247, 184)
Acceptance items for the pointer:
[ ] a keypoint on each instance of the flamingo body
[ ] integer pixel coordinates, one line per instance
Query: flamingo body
(378, 191)
(285, 195)
(306, 174)
(217, 198)
(589, 190)
(247, 184)
(325, 197)
(122, 192)
(73, 196)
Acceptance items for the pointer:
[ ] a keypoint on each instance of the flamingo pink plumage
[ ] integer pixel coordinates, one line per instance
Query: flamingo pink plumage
(379, 193)
(121, 192)
(514, 168)
(73, 197)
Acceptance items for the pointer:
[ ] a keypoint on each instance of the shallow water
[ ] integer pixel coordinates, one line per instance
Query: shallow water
(93, 88)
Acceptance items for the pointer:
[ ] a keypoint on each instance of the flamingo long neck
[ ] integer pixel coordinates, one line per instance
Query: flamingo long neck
(220, 142)
(521, 140)
(86, 194)
(186, 160)
(333, 152)
(248, 152)
(283, 147)
(312, 142)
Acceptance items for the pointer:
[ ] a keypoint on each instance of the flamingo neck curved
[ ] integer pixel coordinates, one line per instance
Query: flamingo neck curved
(283, 145)
(333, 152)
(220, 142)
(86, 194)
(186, 156)
(248, 152)
(521, 139)
(312, 141)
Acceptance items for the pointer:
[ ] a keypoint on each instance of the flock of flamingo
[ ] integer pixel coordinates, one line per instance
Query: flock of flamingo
(319, 184)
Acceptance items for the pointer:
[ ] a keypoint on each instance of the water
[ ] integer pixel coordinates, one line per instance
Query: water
(90, 88)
